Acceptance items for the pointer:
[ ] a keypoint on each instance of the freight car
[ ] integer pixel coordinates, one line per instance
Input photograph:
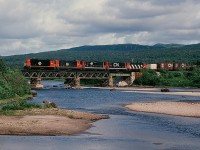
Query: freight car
(166, 66)
(173, 66)
(170, 66)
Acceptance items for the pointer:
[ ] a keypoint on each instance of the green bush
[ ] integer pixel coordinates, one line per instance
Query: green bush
(170, 78)
(22, 105)
(149, 77)
(12, 83)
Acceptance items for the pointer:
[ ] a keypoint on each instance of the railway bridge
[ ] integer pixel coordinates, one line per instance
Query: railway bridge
(75, 76)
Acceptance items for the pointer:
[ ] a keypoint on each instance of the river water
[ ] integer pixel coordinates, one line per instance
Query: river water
(124, 130)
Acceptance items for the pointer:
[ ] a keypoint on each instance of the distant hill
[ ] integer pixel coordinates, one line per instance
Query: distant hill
(160, 45)
(120, 53)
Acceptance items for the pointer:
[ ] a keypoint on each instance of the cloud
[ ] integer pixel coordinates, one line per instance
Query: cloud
(34, 25)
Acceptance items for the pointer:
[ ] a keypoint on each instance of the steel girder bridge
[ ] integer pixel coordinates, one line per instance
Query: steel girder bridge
(36, 76)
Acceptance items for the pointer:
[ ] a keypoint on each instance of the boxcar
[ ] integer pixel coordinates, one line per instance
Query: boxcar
(180, 66)
(152, 66)
(166, 66)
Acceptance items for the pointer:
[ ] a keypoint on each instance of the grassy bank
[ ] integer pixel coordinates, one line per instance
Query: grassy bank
(15, 99)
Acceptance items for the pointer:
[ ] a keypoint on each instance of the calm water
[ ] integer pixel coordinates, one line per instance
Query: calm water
(124, 130)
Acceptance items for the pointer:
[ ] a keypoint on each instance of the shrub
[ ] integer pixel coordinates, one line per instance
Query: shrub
(12, 83)
(22, 105)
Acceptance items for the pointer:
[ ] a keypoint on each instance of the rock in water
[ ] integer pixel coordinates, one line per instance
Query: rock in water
(164, 90)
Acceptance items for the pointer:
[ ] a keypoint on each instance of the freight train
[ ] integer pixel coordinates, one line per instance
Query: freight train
(40, 64)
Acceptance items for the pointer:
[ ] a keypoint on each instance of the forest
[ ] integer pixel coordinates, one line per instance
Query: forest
(117, 53)
(12, 83)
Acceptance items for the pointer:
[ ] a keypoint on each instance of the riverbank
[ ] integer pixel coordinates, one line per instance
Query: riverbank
(185, 109)
(154, 90)
(172, 91)
(48, 122)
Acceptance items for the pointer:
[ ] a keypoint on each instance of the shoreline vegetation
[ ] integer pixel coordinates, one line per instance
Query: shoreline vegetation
(16, 99)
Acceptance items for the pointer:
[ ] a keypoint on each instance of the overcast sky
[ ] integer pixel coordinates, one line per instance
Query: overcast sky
(43, 25)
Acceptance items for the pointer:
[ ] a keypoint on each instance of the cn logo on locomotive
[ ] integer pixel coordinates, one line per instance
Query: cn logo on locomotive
(91, 63)
(115, 64)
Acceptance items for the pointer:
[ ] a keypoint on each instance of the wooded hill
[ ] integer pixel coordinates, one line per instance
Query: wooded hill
(120, 53)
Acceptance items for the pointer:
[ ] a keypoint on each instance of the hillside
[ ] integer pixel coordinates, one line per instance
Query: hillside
(121, 52)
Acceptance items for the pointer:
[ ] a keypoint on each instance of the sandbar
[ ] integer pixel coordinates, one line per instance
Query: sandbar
(186, 109)
(47, 122)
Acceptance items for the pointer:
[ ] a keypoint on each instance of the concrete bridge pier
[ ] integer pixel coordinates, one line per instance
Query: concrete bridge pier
(77, 81)
(36, 83)
(132, 78)
(110, 81)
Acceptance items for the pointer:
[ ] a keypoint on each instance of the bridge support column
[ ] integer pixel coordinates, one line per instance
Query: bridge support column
(110, 80)
(132, 78)
(36, 83)
(77, 82)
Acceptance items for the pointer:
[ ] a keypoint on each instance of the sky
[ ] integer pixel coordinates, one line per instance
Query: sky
(31, 26)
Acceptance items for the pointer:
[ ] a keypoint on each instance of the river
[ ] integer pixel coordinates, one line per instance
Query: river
(124, 130)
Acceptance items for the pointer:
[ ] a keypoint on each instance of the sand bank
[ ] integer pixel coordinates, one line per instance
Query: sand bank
(173, 91)
(186, 109)
(153, 90)
(183, 93)
(47, 122)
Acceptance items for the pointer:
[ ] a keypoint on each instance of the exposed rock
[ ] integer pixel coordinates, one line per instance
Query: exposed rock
(122, 84)
(50, 104)
(33, 92)
(165, 90)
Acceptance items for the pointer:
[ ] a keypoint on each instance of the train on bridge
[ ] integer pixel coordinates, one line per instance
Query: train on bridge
(92, 65)
(41, 64)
